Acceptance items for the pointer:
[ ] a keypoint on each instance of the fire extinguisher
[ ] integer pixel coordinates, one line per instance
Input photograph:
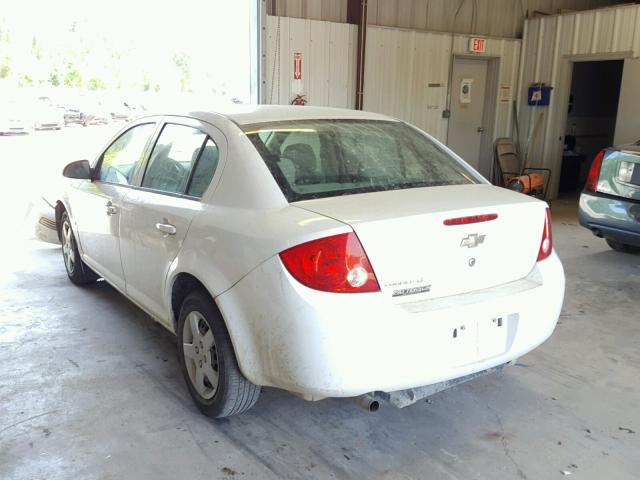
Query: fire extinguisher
(299, 100)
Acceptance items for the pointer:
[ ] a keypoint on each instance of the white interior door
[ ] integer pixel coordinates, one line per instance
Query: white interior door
(468, 93)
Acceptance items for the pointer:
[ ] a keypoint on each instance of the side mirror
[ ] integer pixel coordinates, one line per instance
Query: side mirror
(79, 169)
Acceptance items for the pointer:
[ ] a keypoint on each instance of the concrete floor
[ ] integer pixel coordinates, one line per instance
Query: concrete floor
(90, 388)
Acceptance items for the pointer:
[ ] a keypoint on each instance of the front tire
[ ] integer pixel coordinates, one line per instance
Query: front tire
(622, 247)
(208, 360)
(77, 271)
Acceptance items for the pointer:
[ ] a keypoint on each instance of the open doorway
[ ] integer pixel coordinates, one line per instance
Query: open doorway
(591, 118)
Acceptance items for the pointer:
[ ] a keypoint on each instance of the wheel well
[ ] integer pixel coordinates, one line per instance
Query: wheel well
(183, 285)
(59, 211)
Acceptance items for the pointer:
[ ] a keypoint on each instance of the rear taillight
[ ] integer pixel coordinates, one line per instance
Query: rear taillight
(546, 244)
(331, 264)
(594, 173)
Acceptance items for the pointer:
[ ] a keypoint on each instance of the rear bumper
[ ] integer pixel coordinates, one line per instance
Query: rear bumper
(339, 345)
(43, 217)
(48, 125)
(13, 130)
(611, 217)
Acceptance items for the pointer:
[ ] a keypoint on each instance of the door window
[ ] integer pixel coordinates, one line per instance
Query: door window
(204, 170)
(180, 152)
(120, 160)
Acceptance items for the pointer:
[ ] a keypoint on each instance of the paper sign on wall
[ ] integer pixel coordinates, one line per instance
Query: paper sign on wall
(505, 93)
(435, 96)
(465, 90)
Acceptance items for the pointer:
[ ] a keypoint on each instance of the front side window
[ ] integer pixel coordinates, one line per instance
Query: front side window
(324, 158)
(120, 160)
(174, 156)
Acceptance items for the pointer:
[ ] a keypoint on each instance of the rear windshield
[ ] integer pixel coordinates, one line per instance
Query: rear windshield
(324, 158)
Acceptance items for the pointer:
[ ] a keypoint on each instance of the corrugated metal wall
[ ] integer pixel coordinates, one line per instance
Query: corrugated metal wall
(406, 71)
(328, 52)
(487, 17)
(327, 10)
(501, 18)
(550, 45)
(407, 76)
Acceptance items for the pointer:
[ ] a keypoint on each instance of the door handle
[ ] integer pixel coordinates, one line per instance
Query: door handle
(166, 228)
(480, 129)
(111, 208)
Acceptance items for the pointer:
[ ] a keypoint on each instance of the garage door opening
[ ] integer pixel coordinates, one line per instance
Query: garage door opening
(591, 119)
(73, 74)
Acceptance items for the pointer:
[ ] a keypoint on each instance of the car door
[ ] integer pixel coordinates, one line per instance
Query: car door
(156, 215)
(96, 204)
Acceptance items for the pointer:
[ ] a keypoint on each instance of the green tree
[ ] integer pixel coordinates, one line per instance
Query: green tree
(96, 84)
(24, 80)
(54, 78)
(36, 50)
(146, 82)
(181, 61)
(72, 78)
(5, 68)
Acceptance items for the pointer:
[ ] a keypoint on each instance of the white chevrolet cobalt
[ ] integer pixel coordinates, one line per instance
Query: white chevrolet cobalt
(327, 252)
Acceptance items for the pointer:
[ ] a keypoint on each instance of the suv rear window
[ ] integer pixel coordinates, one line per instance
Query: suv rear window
(324, 158)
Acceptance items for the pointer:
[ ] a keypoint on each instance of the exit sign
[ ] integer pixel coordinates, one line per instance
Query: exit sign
(477, 45)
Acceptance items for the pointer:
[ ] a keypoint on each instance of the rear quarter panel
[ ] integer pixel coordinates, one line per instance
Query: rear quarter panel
(243, 222)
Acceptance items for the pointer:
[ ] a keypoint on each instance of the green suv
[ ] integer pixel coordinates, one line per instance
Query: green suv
(610, 202)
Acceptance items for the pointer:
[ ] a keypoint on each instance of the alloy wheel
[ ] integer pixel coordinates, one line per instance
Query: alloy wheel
(200, 355)
(68, 247)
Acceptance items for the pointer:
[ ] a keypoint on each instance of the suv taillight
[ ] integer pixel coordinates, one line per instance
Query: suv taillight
(332, 264)
(594, 173)
(546, 244)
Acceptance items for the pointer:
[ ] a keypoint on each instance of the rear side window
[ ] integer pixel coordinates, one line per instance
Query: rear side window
(120, 160)
(205, 168)
(323, 158)
(182, 162)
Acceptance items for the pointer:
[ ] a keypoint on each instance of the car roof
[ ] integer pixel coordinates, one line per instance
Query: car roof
(252, 114)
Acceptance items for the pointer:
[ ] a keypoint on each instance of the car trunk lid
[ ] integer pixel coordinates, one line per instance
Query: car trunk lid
(416, 256)
(620, 173)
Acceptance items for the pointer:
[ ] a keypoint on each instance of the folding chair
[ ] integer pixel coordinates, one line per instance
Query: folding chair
(513, 176)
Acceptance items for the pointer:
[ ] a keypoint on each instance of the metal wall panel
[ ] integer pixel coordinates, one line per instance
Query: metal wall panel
(328, 61)
(407, 76)
(327, 10)
(406, 73)
(549, 46)
(500, 18)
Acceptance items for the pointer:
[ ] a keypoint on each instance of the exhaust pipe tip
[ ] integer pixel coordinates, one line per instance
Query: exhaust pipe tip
(367, 402)
(597, 232)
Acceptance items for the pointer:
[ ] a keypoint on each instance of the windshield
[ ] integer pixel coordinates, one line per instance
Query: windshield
(324, 158)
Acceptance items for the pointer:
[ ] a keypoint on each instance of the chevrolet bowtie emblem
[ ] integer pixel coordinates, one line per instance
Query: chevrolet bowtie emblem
(472, 240)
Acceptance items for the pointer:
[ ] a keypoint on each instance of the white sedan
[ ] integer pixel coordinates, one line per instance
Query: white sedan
(327, 252)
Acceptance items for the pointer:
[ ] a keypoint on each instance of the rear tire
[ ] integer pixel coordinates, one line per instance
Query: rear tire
(622, 247)
(208, 360)
(77, 271)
